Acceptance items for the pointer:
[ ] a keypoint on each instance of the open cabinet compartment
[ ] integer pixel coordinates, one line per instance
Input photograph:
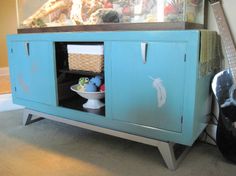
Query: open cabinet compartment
(67, 77)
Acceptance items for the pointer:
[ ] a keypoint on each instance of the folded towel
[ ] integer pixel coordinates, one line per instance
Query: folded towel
(210, 52)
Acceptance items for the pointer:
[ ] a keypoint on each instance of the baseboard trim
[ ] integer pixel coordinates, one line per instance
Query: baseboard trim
(4, 71)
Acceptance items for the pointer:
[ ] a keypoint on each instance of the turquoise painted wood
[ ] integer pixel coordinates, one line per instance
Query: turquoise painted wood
(131, 99)
(135, 97)
(32, 66)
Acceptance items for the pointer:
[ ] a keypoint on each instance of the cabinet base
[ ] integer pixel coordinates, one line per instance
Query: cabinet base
(172, 153)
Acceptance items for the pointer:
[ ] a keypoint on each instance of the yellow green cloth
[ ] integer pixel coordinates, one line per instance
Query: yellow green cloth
(210, 52)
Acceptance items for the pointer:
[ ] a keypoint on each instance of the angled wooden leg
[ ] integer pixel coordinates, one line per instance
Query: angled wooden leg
(27, 118)
(172, 153)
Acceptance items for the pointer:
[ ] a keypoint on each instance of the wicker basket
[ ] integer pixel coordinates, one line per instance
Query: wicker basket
(86, 62)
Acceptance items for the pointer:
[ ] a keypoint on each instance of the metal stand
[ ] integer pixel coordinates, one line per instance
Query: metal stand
(28, 118)
(171, 153)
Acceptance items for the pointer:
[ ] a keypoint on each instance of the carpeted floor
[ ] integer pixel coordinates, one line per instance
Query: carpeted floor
(48, 148)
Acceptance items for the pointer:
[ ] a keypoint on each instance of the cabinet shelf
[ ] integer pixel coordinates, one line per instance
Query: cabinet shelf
(77, 104)
(67, 77)
(80, 72)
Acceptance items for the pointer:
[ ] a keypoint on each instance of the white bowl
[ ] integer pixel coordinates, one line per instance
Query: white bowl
(93, 98)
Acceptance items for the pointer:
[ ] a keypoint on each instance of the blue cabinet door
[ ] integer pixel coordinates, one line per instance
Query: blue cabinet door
(32, 71)
(149, 94)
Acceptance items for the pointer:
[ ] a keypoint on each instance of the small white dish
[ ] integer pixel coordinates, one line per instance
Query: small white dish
(93, 98)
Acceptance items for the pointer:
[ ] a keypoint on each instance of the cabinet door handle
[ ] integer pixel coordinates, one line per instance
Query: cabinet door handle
(27, 48)
(144, 52)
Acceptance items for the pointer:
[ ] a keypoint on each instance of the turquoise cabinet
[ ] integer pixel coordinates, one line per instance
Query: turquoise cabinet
(148, 80)
(152, 83)
(32, 71)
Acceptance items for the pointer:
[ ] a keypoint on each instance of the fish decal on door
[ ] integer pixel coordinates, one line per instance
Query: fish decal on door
(161, 91)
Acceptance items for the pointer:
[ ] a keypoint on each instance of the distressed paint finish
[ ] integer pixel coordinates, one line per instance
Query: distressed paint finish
(134, 98)
(33, 71)
(131, 99)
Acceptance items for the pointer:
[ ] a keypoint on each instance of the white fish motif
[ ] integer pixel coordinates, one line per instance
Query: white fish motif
(161, 91)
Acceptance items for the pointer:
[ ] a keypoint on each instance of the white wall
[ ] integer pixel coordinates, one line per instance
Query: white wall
(229, 7)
